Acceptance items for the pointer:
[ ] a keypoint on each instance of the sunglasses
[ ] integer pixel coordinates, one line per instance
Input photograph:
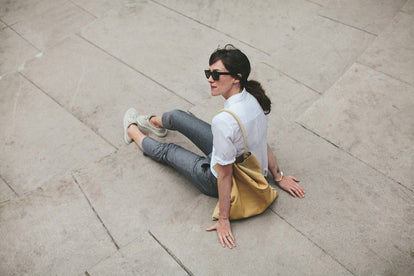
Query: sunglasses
(215, 74)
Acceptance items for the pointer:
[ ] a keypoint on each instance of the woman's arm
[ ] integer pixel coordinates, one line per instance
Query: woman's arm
(273, 167)
(223, 226)
(287, 183)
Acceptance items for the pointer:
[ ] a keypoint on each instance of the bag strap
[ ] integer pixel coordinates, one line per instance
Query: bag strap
(241, 128)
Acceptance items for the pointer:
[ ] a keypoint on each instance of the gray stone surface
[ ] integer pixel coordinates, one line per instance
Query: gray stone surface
(369, 115)
(2, 25)
(361, 218)
(143, 256)
(39, 140)
(392, 52)
(99, 8)
(320, 52)
(14, 51)
(275, 248)
(161, 49)
(15, 11)
(97, 88)
(265, 20)
(409, 7)
(47, 29)
(142, 192)
(371, 15)
(51, 231)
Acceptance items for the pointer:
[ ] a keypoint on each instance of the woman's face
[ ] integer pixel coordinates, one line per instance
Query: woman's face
(226, 85)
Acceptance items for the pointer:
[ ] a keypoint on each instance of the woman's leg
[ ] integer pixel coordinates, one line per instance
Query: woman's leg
(196, 168)
(198, 131)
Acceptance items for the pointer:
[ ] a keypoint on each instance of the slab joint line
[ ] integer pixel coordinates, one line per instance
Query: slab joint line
(310, 1)
(353, 156)
(314, 243)
(96, 213)
(354, 27)
(292, 78)
(8, 185)
(388, 75)
(22, 37)
(405, 12)
(210, 27)
(83, 9)
(134, 69)
(79, 119)
(171, 254)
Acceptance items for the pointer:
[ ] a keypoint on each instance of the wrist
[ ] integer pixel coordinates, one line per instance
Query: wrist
(279, 177)
(223, 217)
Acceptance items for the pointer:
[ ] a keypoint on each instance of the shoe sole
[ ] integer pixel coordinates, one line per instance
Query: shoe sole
(127, 139)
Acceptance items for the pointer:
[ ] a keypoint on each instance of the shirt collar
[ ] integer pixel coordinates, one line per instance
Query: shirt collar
(235, 98)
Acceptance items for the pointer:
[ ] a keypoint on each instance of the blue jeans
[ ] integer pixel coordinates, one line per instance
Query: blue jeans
(193, 166)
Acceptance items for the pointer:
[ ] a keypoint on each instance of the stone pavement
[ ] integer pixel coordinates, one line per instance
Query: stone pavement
(75, 200)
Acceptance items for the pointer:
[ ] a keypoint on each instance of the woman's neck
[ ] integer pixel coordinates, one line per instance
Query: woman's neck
(234, 91)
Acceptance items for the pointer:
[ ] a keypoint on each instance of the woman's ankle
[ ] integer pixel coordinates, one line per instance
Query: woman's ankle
(156, 121)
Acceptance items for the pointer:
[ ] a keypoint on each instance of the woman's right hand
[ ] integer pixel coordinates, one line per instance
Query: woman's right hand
(290, 184)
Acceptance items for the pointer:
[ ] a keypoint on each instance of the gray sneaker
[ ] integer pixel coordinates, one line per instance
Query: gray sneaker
(144, 124)
(130, 118)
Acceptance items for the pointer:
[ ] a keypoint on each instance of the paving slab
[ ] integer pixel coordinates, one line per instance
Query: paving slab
(6, 193)
(265, 245)
(153, 39)
(98, 88)
(372, 16)
(392, 52)
(143, 256)
(151, 197)
(99, 8)
(408, 7)
(49, 28)
(131, 192)
(359, 217)
(51, 231)
(267, 25)
(14, 51)
(369, 115)
(320, 52)
(40, 140)
(2, 25)
(15, 11)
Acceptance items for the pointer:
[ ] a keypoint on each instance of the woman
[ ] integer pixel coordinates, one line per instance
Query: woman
(221, 142)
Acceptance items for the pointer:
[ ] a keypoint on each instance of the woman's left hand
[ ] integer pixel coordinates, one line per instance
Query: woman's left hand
(224, 233)
(290, 184)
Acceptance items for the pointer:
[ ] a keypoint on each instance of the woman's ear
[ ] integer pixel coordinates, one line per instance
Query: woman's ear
(237, 78)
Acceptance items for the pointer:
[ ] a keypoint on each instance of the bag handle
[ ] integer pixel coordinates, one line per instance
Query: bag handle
(241, 128)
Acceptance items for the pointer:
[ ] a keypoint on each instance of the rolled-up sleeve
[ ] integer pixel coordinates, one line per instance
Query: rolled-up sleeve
(225, 151)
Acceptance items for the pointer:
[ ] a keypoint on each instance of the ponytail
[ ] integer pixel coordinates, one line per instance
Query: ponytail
(256, 89)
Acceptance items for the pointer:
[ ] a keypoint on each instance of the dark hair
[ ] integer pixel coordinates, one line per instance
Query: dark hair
(237, 63)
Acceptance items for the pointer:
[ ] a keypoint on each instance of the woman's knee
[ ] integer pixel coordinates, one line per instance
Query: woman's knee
(169, 117)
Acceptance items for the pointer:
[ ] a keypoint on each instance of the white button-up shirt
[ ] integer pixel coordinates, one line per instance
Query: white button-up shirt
(228, 138)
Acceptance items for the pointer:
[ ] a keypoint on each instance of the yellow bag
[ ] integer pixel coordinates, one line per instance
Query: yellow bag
(251, 194)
